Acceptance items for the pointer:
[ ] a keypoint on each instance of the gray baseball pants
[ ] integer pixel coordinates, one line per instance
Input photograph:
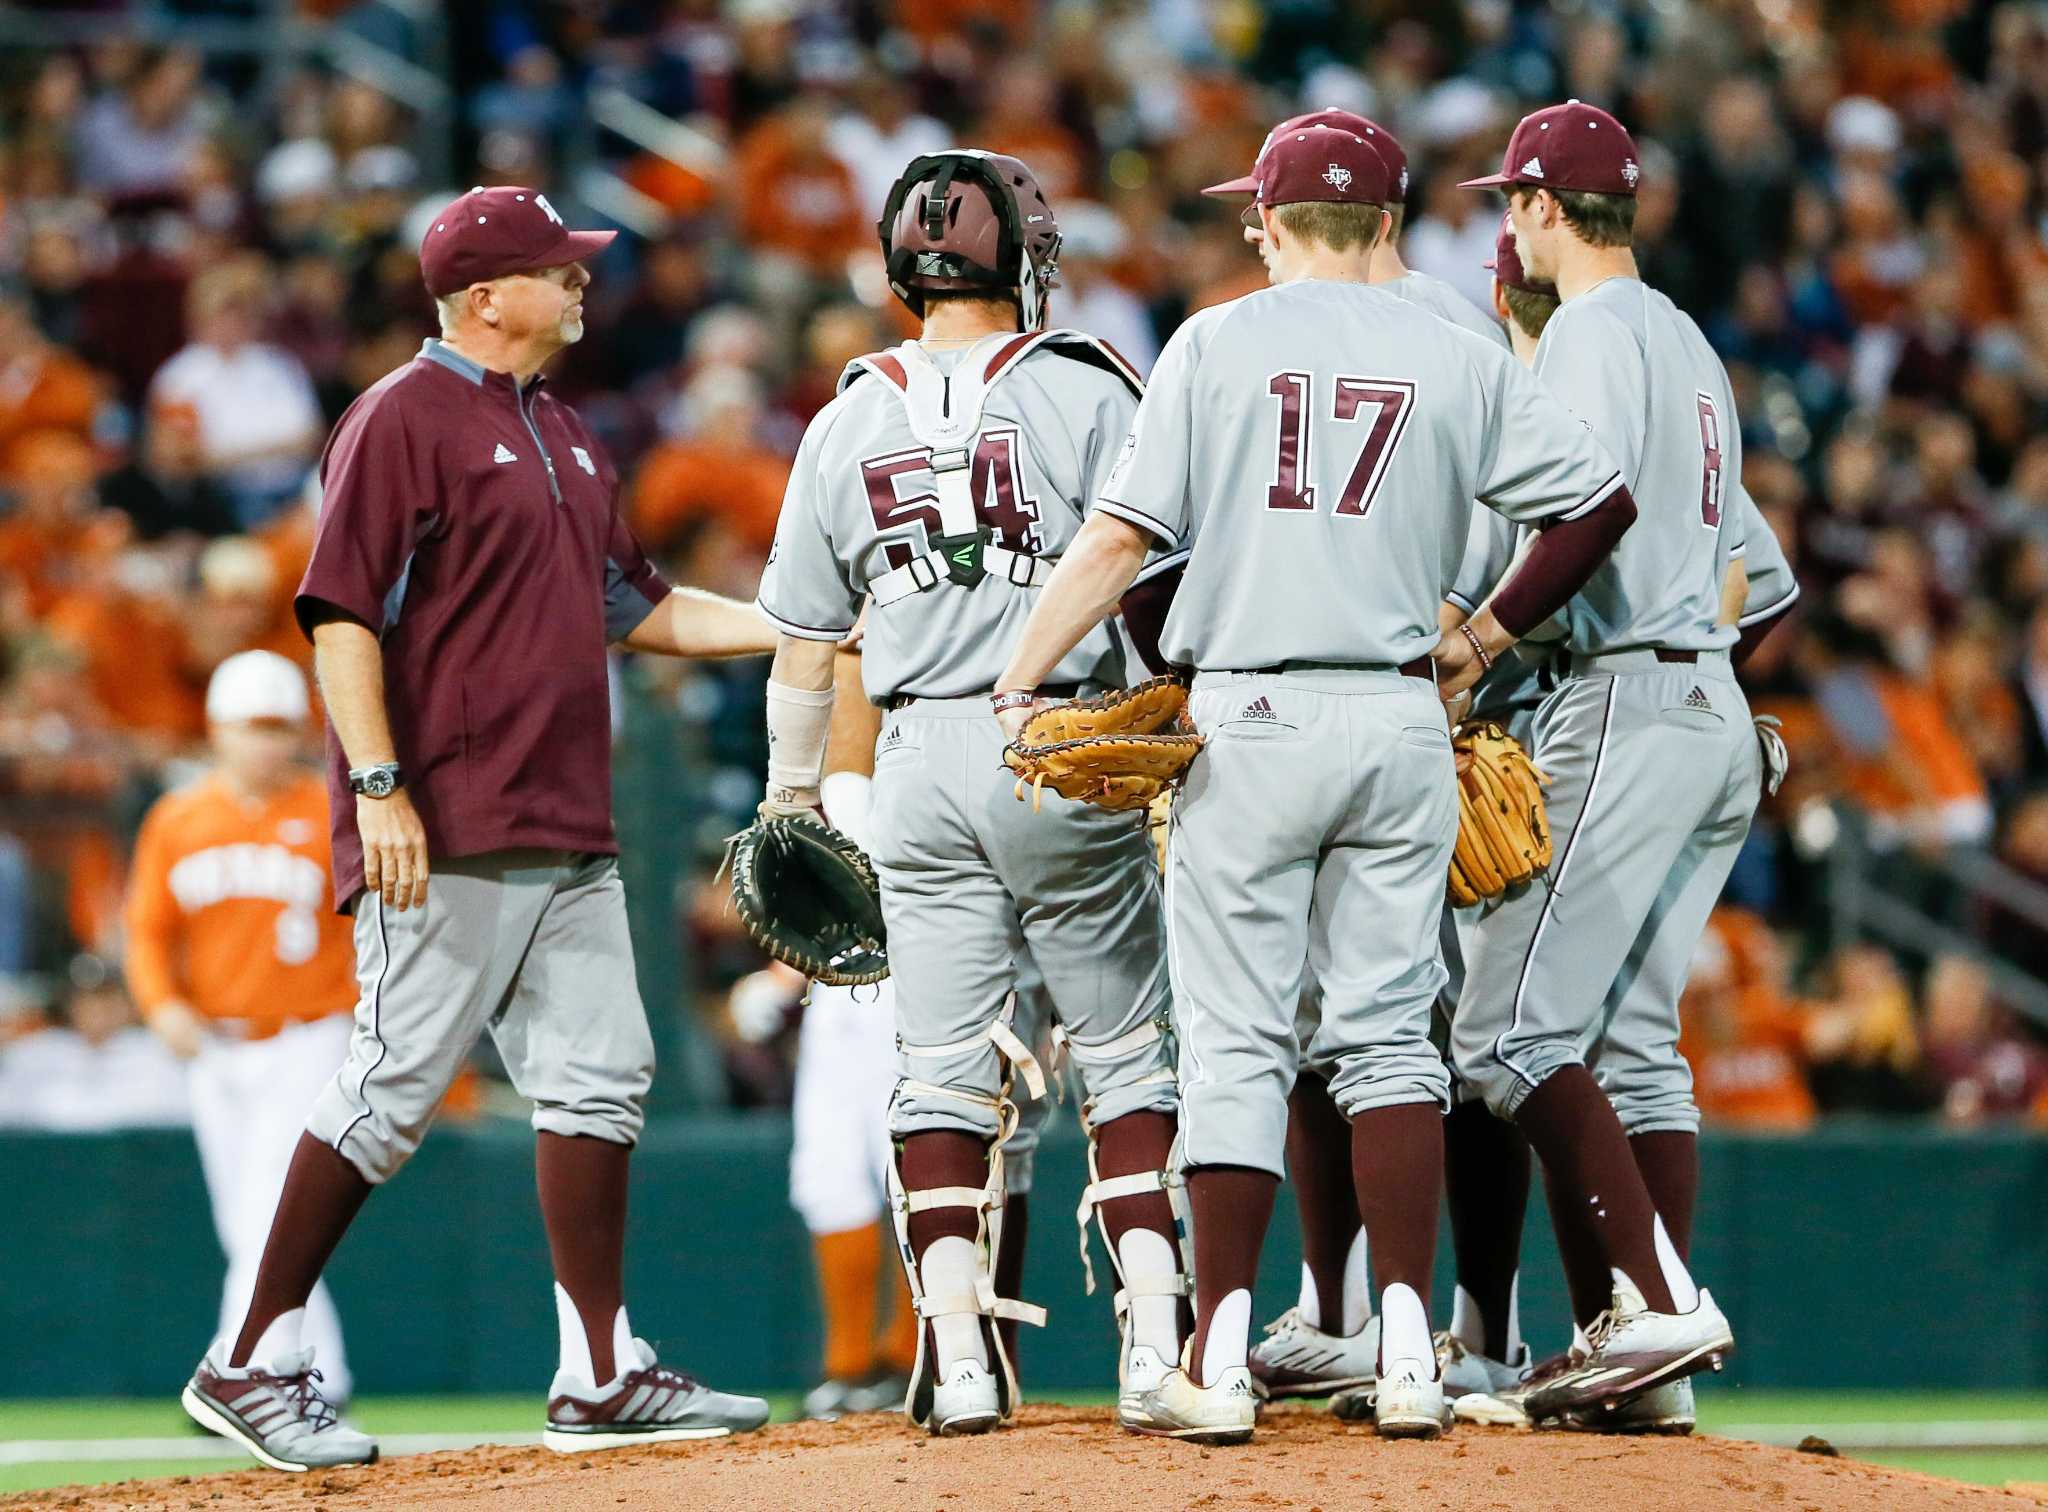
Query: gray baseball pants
(1311, 842)
(529, 944)
(1655, 774)
(973, 881)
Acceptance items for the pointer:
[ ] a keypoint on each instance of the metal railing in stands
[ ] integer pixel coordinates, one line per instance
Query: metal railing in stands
(610, 108)
(1860, 906)
(420, 87)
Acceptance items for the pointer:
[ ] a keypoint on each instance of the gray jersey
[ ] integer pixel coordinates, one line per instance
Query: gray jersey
(1635, 368)
(862, 500)
(1772, 587)
(1317, 448)
(1446, 303)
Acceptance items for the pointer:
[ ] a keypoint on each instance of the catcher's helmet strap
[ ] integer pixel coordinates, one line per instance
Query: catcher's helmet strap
(943, 170)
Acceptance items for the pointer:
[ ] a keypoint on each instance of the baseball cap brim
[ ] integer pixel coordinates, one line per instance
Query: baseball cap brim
(1491, 181)
(574, 247)
(1245, 185)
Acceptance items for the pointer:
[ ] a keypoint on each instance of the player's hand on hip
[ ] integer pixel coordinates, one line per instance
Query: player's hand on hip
(1457, 668)
(179, 1026)
(394, 849)
(1013, 716)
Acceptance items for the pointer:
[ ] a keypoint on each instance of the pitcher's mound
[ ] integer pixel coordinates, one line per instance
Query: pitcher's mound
(1075, 1458)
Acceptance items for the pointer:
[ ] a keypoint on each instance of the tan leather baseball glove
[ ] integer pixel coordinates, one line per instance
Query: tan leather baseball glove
(1503, 833)
(1119, 750)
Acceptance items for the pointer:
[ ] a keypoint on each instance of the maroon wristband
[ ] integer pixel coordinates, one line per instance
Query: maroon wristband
(1485, 661)
(1015, 698)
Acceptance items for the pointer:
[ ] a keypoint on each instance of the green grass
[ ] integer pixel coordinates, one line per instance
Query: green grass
(1732, 1404)
(1817, 1412)
(1984, 1467)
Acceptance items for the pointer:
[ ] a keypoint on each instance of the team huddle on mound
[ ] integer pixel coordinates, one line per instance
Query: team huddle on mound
(1353, 518)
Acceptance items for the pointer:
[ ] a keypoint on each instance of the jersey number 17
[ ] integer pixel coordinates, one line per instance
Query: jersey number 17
(1390, 401)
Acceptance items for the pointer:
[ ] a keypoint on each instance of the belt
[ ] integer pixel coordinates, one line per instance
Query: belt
(1666, 655)
(897, 701)
(1422, 667)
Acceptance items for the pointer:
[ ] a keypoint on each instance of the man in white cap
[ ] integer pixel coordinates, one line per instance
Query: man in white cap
(240, 964)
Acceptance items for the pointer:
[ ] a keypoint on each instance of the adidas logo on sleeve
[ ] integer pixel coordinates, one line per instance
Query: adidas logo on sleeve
(504, 453)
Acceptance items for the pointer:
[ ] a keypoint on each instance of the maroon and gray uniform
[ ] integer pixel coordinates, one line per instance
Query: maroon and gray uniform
(1317, 447)
(474, 525)
(1647, 740)
(971, 878)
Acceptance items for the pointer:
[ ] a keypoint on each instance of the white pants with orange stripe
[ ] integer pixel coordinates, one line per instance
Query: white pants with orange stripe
(250, 1099)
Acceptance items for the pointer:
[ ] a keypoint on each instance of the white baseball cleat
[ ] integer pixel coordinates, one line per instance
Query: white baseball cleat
(1144, 1370)
(964, 1401)
(1633, 1350)
(1410, 1401)
(1509, 1407)
(1297, 1359)
(1666, 1409)
(1225, 1413)
(274, 1411)
(1465, 1371)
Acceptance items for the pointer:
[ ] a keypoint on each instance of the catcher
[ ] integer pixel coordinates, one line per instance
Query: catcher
(939, 487)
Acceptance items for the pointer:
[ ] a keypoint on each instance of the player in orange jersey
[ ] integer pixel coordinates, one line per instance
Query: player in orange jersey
(238, 960)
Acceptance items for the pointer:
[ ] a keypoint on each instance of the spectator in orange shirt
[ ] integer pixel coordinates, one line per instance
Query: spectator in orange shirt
(238, 606)
(812, 217)
(42, 386)
(240, 964)
(1743, 1043)
(57, 530)
(717, 468)
(1023, 119)
(127, 626)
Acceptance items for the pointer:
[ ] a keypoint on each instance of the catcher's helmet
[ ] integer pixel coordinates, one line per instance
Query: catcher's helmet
(974, 221)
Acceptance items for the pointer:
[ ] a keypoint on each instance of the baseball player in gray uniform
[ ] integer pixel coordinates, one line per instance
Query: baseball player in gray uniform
(1655, 772)
(940, 486)
(1317, 448)
(1328, 1342)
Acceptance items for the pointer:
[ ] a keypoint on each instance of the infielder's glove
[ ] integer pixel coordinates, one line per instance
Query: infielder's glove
(1119, 750)
(809, 897)
(1503, 833)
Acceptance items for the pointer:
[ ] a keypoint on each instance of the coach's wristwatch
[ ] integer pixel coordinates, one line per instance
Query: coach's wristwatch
(379, 781)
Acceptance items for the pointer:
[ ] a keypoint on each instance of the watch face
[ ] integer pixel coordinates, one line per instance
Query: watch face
(379, 783)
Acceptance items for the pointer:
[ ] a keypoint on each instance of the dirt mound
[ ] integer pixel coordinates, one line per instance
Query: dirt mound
(1074, 1458)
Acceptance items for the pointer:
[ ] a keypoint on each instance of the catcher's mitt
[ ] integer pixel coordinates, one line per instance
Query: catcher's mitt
(1503, 833)
(809, 897)
(1119, 750)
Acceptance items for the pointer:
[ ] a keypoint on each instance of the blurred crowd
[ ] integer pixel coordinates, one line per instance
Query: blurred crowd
(201, 262)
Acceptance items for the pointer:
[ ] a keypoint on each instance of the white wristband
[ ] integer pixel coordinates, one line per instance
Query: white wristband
(845, 795)
(798, 721)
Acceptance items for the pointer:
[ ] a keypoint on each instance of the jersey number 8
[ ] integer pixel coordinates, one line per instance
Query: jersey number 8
(1711, 483)
(1391, 401)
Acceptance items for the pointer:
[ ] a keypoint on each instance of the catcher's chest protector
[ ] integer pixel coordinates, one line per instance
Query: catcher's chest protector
(944, 410)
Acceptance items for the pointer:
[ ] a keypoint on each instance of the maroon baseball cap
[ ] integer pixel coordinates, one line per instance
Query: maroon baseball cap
(1568, 146)
(1321, 163)
(489, 233)
(1506, 263)
(1390, 151)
